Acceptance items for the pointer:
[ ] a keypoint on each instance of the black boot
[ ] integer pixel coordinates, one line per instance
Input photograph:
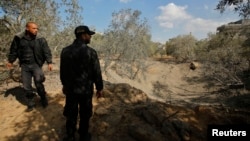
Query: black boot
(30, 101)
(44, 101)
(70, 134)
(85, 137)
(71, 123)
(84, 127)
(31, 104)
(42, 93)
(43, 98)
(69, 138)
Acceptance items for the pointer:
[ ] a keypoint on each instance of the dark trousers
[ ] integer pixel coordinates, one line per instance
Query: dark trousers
(77, 103)
(29, 71)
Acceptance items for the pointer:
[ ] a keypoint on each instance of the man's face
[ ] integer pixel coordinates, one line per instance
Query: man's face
(32, 28)
(86, 37)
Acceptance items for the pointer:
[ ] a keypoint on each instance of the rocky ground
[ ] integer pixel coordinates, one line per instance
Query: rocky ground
(172, 103)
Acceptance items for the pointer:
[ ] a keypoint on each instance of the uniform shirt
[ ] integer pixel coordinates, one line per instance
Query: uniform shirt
(80, 68)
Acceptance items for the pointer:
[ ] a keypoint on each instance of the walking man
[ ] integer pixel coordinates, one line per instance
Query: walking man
(32, 51)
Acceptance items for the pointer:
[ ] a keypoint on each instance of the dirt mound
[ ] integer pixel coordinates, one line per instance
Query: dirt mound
(125, 113)
(168, 101)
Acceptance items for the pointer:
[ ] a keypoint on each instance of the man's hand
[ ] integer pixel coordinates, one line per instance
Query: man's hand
(9, 65)
(99, 94)
(50, 67)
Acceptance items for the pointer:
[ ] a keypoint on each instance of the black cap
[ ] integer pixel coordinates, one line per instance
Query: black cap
(83, 29)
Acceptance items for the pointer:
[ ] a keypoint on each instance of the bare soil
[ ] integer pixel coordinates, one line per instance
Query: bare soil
(163, 87)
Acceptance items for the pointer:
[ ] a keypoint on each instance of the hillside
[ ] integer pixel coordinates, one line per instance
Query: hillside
(166, 102)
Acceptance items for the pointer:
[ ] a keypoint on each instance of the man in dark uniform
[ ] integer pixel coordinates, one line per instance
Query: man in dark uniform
(79, 71)
(32, 51)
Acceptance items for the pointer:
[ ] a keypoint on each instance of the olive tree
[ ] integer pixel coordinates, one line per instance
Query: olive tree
(52, 17)
(232, 47)
(182, 48)
(125, 43)
(240, 6)
(222, 60)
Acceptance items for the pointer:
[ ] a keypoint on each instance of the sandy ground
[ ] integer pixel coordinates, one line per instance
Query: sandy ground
(170, 83)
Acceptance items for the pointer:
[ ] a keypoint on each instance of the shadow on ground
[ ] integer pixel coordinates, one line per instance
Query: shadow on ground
(41, 124)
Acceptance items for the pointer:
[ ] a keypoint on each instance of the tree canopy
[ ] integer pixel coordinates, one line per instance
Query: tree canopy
(242, 7)
(126, 40)
(46, 13)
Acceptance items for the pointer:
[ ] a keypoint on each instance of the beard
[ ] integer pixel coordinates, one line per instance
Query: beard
(87, 41)
(32, 35)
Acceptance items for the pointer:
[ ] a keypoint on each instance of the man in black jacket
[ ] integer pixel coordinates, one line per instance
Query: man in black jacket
(79, 71)
(32, 51)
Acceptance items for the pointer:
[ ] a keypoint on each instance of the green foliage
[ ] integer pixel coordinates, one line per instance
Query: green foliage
(16, 13)
(97, 42)
(156, 49)
(4, 39)
(246, 46)
(240, 6)
(201, 50)
(126, 42)
(222, 59)
(182, 47)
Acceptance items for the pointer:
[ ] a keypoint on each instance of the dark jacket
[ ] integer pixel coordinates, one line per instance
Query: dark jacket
(80, 68)
(40, 47)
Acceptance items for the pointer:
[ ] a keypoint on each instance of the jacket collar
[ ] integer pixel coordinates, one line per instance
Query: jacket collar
(23, 35)
(78, 42)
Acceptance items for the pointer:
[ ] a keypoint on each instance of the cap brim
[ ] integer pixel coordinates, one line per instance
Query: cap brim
(91, 32)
